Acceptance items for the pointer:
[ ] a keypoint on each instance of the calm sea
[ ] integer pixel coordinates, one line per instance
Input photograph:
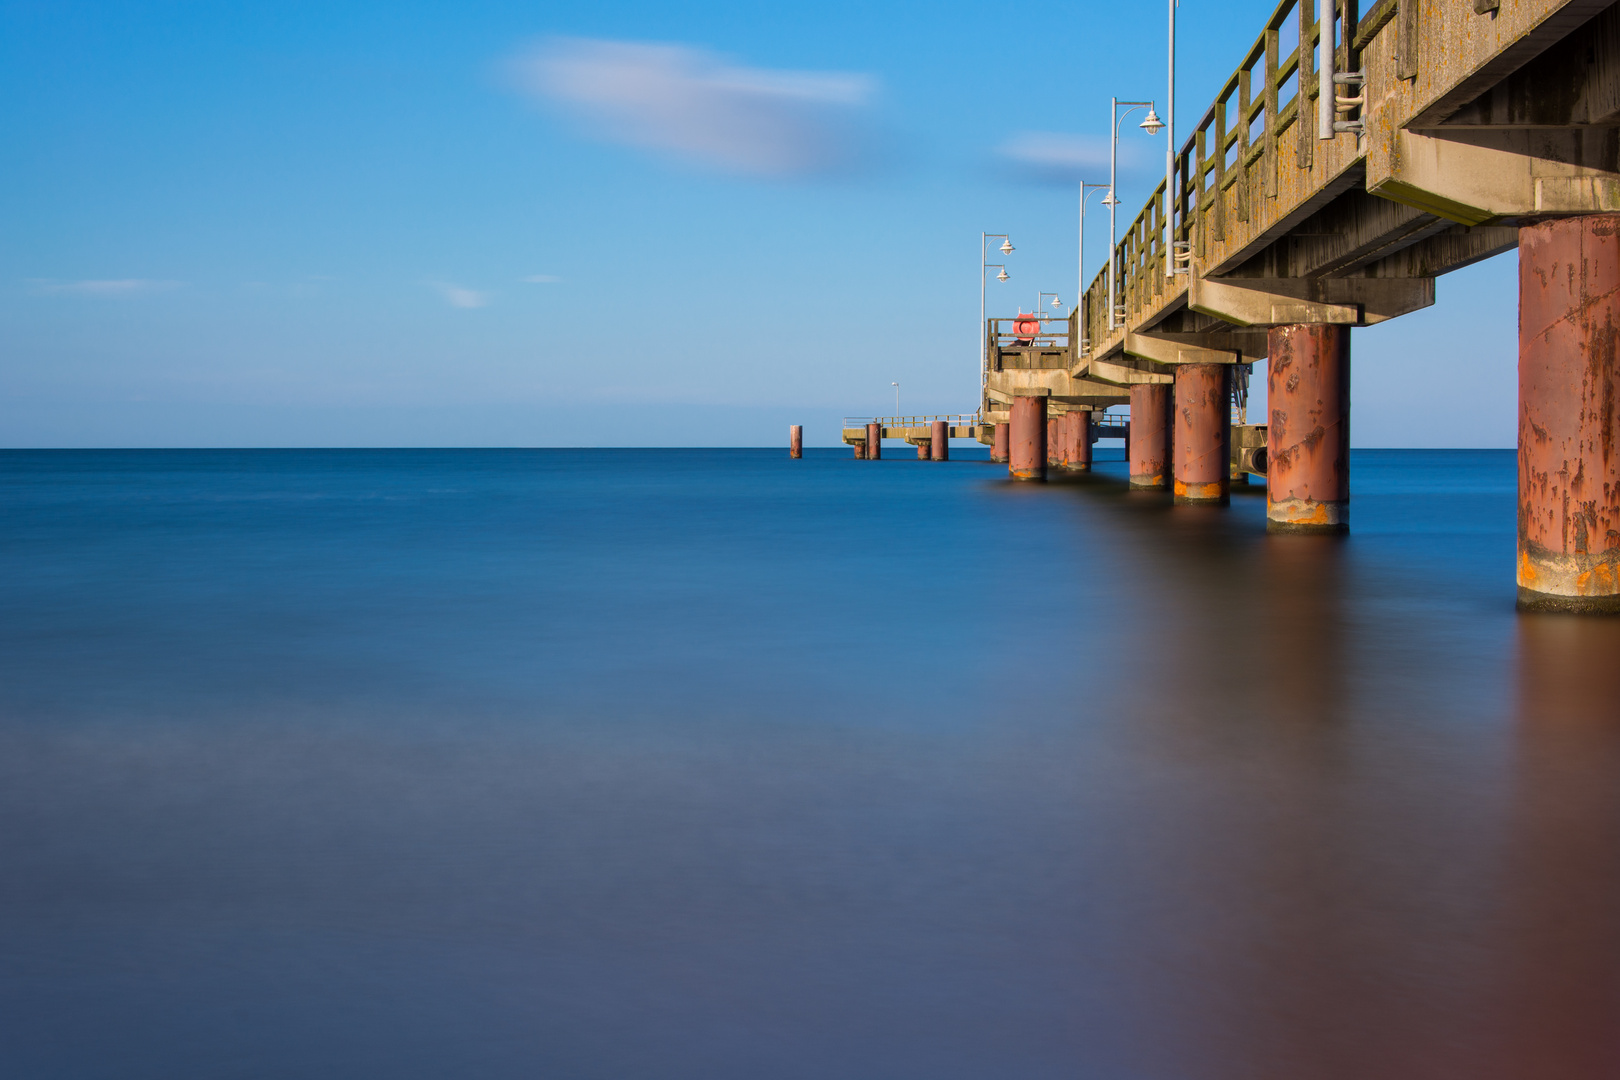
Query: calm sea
(712, 764)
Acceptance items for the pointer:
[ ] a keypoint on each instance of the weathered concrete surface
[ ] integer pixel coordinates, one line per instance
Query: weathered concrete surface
(1000, 444)
(1026, 434)
(939, 446)
(874, 441)
(1569, 415)
(1308, 438)
(1201, 422)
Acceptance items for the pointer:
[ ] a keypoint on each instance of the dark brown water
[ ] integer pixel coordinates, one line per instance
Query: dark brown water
(713, 764)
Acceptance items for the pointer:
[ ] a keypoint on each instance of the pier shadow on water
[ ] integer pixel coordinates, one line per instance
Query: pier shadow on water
(713, 764)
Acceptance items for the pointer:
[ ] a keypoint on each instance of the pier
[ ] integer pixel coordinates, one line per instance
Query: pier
(1353, 157)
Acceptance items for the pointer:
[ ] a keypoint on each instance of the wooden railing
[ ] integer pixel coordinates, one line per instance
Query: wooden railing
(1233, 147)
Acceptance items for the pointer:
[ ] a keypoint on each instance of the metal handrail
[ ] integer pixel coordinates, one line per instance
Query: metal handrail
(915, 420)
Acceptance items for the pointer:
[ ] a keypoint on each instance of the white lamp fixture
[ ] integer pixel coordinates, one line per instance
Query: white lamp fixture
(1006, 249)
(1003, 275)
(1152, 125)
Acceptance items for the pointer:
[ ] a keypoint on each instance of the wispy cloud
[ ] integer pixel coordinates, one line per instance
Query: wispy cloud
(104, 286)
(1046, 157)
(541, 279)
(698, 106)
(459, 295)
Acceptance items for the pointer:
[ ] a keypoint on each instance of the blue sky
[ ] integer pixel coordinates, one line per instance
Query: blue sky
(619, 223)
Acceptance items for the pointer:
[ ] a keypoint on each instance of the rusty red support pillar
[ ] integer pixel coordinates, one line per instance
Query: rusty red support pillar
(860, 450)
(1148, 446)
(1000, 444)
(1308, 431)
(796, 441)
(1078, 450)
(1054, 442)
(1569, 415)
(874, 441)
(1026, 437)
(939, 447)
(1202, 433)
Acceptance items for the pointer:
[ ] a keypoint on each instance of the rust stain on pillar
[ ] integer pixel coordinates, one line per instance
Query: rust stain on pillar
(939, 447)
(1054, 441)
(1569, 415)
(874, 441)
(1148, 446)
(1308, 432)
(796, 441)
(1077, 442)
(860, 449)
(1202, 430)
(1000, 444)
(1026, 437)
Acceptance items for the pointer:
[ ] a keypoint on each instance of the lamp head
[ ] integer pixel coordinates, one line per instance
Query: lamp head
(1152, 125)
(1003, 275)
(1006, 248)
(1056, 302)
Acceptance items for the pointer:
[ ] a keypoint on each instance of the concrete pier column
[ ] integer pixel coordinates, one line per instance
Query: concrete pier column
(1000, 446)
(1201, 433)
(1054, 442)
(939, 447)
(1026, 437)
(874, 441)
(796, 441)
(1078, 450)
(860, 450)
(1308, 433)
(1148, 447)
(1569, 415)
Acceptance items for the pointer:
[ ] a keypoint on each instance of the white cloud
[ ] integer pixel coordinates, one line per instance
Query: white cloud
(695, 105)
(105, 287)
(460, 296)
(1054, 158)
(541, 279)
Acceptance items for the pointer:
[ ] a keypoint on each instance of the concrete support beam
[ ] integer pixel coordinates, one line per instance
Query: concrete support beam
(1000, 443)
(1120, 374)
(796, 441)
(1569, 415)
(1027, 438)
(874, 442)
(1353, 301)
(1477, 176)
(1201, 427)
(939, 447)
(1149, 444)
(1214, 347)
(1308, 436)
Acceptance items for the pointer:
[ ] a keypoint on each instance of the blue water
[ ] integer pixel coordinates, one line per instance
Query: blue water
(712, 764)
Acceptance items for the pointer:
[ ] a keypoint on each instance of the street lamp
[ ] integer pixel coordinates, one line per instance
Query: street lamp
(896, 399)
(1006, 248)
(1152, 125)
(1086, 192)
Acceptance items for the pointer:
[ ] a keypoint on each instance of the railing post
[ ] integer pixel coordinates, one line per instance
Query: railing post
(1268, 168)
(1304, 111)
(1241, 188)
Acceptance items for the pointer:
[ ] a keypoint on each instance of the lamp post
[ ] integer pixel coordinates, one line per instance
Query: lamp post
(1170, 193)
(984, 265)
(896, 400)
(1086, 192)
(1152, 125)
